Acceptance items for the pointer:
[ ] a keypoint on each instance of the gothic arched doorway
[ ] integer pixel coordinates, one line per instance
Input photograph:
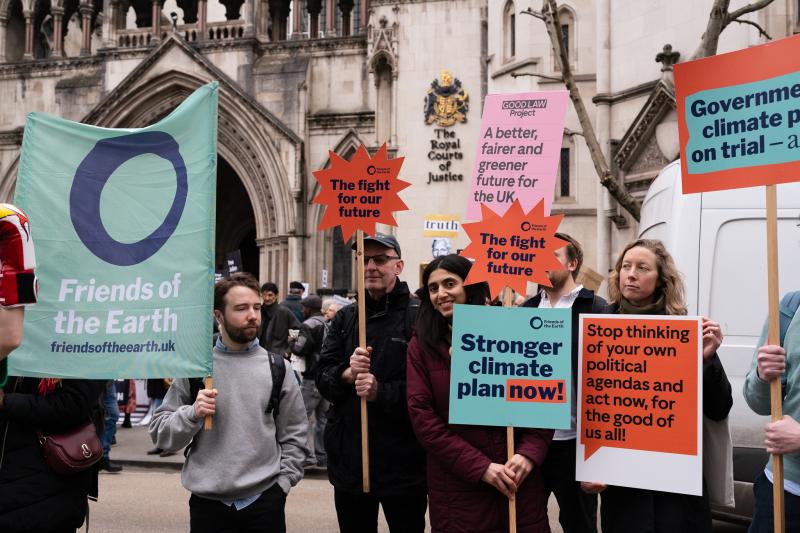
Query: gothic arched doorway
(236, 223)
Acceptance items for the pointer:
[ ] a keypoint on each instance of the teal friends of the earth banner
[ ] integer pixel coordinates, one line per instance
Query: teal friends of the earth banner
(511, 367)
(123, 221)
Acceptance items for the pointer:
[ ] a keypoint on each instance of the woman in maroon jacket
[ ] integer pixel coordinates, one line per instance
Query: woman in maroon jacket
(469, 476)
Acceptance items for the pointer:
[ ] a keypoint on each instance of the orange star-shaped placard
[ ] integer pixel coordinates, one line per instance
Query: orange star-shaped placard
(361, 192)
(514, 248)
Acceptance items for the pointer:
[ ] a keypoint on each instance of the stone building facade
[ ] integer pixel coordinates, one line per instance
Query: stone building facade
(621, 52)
(297, 78)
(300, 78)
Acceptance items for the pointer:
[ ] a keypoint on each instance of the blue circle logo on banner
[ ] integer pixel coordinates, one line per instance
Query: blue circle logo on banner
(93, 174)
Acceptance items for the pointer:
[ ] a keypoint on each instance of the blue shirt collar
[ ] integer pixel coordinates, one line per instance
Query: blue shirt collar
(221, 346)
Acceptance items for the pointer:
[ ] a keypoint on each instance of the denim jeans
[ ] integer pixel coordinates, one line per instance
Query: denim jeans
(111, 410)
(318, 406)
(762, 507)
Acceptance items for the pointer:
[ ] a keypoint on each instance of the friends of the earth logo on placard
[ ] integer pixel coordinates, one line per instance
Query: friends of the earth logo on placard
(87, 188)
(372, 170)
(538, 323)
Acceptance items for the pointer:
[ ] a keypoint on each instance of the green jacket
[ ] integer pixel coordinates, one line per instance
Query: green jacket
(756, 390)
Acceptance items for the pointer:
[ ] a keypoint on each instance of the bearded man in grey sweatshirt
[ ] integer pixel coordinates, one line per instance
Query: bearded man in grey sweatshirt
(240, 471)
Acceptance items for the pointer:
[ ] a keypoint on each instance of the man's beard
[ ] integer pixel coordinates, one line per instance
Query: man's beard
(558, 279)
(241, 335)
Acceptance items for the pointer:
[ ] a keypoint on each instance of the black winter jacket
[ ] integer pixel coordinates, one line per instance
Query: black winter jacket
(397, 461)
(32, 498)
(276, 321)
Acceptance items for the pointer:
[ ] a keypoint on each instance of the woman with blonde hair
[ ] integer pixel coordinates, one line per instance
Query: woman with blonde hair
(645, 281)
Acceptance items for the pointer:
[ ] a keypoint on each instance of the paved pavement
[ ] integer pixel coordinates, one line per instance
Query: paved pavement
(148, 496)
(131, 450)
(153, 501)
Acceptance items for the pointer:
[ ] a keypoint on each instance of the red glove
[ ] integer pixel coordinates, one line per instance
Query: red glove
(18, 284)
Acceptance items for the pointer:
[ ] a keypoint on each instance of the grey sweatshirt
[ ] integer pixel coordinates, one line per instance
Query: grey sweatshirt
(246, 451)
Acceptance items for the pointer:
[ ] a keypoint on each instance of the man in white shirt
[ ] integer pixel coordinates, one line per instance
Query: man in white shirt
(578, 510)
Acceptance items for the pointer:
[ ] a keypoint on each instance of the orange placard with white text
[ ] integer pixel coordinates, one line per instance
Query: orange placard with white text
(640, 402)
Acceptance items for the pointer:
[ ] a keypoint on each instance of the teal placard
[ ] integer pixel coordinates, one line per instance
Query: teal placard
(511, 367)
(747, 125)
(123, 225)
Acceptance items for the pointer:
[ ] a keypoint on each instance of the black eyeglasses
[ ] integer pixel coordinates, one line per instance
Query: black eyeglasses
(380, 259)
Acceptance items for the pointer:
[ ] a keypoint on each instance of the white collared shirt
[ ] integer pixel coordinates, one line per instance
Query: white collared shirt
(565, 302)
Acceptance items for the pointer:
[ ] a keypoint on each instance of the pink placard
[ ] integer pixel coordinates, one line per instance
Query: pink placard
(518, 151)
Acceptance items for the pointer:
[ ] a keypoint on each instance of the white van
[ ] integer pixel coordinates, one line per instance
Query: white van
(718, 241)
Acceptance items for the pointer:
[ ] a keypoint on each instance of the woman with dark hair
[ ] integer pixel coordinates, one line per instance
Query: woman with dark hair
(32, 497)
(469, 477)
(645, 281)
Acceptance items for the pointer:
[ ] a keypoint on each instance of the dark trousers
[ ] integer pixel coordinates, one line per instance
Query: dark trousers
(358, 513)
(577, 510)
(627, 510)
(265, 515)
(762, 507)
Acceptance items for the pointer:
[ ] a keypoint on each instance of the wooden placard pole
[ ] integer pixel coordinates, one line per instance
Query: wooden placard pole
(362, 343)
(508, 300)
(775, 393)
(512, 502)
(208, 421)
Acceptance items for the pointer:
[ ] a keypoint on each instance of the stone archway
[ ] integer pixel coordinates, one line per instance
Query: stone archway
(236, 223)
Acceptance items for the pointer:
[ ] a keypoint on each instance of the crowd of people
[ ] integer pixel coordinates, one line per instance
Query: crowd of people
(289, 380)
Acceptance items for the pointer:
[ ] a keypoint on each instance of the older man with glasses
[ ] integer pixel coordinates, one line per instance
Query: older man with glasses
(346, 373)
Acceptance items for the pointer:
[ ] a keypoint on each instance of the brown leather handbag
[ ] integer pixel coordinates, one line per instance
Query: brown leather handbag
(71, 452)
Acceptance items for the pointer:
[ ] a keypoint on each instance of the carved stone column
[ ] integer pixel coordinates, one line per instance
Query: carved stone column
(58, 37)
(314, 9)
(330, 18)
(111, 23)
(364, 15)
(156, 14)
(28, 34)
(297, 19)
(202, 20)
(3, 27)
(393, 123)
(86, 29)
(346, 6)
(247, 15)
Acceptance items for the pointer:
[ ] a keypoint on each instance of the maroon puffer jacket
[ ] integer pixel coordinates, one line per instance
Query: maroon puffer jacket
(458, 455)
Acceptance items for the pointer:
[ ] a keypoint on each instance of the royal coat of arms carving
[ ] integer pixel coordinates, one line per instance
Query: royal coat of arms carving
(446, 102)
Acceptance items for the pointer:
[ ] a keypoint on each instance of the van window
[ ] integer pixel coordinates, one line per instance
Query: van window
(739, 272)
(656, 231)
